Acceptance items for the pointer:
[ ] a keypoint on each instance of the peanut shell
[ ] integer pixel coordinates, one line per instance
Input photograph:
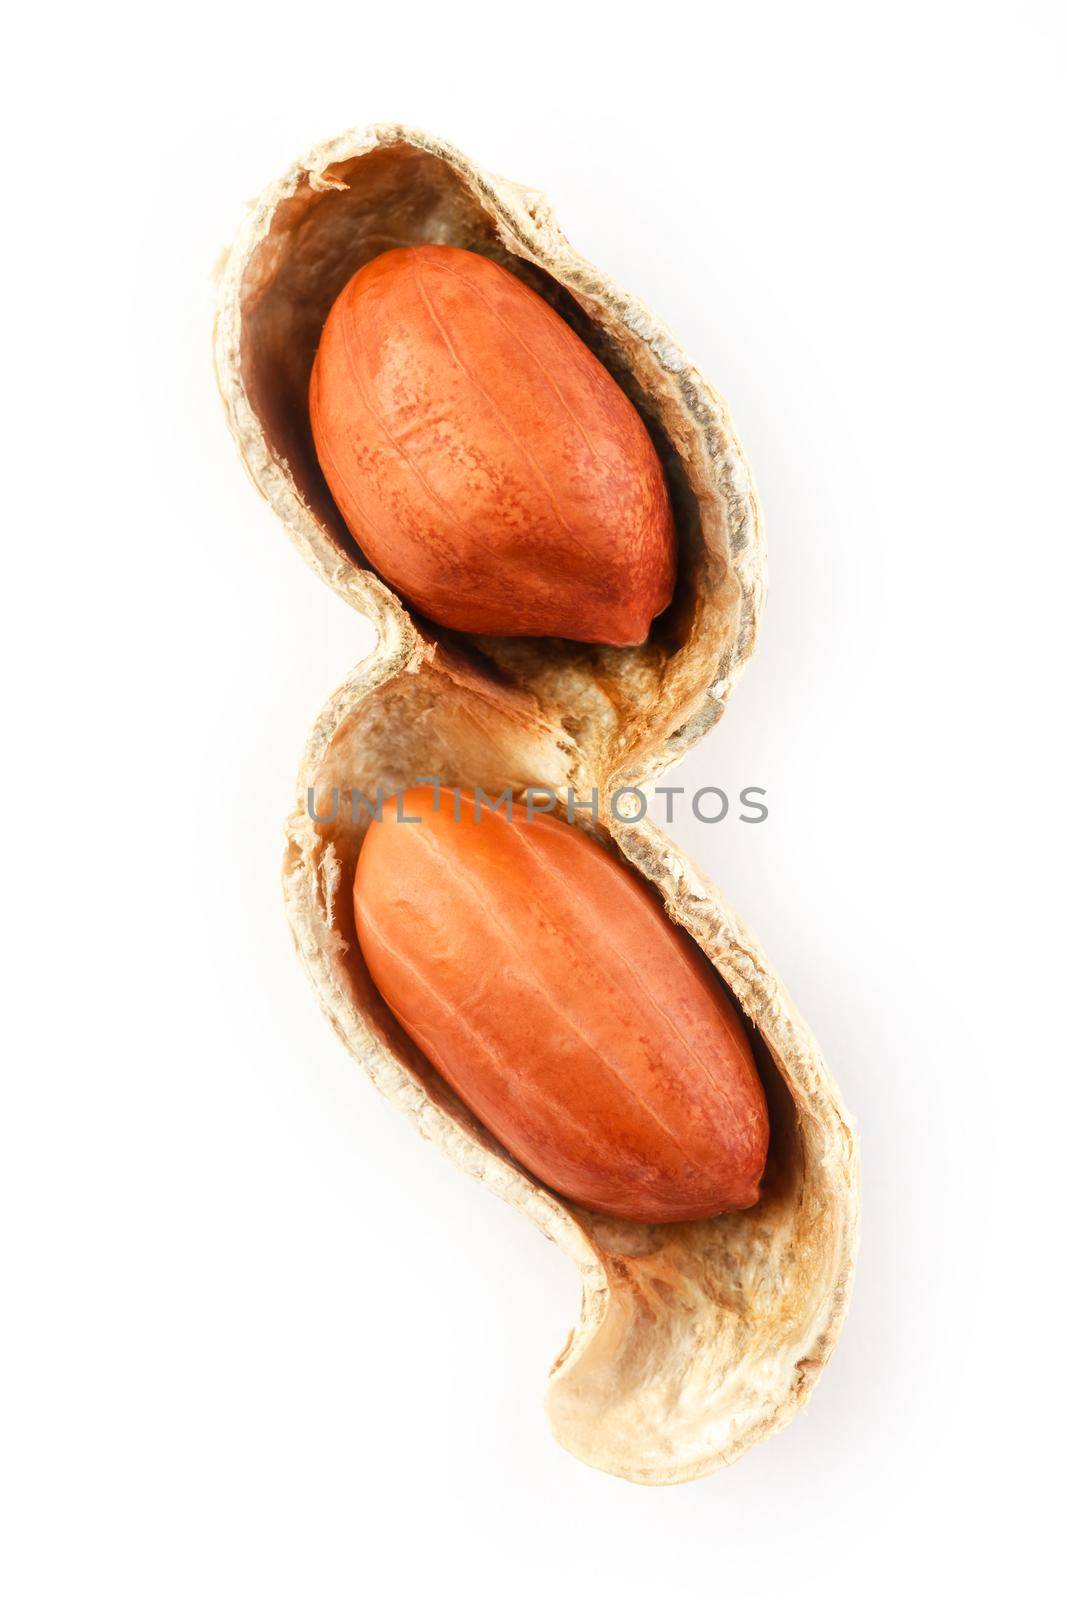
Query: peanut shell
(695, 1339)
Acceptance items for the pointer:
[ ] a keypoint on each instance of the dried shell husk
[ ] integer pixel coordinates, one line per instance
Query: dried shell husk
(695, 1339)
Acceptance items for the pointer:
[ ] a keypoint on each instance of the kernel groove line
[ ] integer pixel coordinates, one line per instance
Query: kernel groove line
(705, 1070)
(346, 333)
(440, 266)
(523, 449)
(596, 1051)
(557, 1107)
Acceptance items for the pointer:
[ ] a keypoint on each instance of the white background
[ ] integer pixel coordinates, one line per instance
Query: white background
(259, 1339)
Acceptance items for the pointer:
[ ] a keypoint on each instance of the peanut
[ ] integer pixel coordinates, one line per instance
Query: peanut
(484, 460)
(545, 983)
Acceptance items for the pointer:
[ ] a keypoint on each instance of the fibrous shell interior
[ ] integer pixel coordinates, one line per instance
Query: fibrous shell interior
(695, 1339)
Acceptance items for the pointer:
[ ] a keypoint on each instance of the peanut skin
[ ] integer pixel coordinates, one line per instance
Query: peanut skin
(487, 464)
(547, 986)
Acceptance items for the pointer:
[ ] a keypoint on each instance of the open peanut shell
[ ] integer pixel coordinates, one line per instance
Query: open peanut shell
(695, 1339)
